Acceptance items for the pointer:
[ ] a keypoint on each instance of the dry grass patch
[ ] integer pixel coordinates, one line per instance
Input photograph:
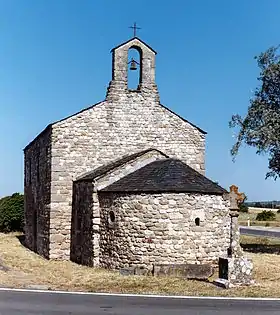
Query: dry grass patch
(259, 240)
(252, 214)
(27, 268)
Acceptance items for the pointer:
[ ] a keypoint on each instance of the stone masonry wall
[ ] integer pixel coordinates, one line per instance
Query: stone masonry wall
(106, 132)
(126, 122)
(37, 193)
(82, 224)
(161, 228)
(120, 70)
(85, 220)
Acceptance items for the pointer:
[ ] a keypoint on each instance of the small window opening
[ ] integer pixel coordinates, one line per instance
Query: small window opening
(112, 217)
(197, 221)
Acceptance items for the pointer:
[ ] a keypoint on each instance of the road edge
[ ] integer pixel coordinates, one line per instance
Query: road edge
(140, 295)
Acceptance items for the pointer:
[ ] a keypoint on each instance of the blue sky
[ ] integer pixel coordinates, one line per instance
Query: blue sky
(55, 60)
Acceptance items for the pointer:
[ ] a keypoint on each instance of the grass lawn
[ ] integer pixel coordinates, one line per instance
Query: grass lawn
(27, 268)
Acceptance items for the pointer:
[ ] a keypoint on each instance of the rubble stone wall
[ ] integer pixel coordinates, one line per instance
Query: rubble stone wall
(37, 193)
(82, 224)
(104, 133)
(125, 123)
(162, 229)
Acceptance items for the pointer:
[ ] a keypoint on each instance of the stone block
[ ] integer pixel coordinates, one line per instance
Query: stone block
(222, 283)
(57, 238)
(141, 271)
(237, 270)
(188, 271)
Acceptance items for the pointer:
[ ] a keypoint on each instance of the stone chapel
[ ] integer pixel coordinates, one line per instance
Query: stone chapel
(122, 183)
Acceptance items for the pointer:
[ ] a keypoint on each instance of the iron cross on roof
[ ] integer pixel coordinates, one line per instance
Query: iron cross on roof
(135, 28)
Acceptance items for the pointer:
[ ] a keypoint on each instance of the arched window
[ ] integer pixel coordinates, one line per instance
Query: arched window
(112, 219)
(197, 221)
(134, 76)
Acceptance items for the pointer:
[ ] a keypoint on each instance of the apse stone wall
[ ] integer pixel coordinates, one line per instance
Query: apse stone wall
(161, 228)
(105, 133)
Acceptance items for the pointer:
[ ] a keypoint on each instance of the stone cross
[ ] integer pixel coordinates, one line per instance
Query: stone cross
(235, 269)
(235, 197)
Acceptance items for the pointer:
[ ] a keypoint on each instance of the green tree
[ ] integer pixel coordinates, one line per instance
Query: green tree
(12, 213)
(243, 207)
(260, 128)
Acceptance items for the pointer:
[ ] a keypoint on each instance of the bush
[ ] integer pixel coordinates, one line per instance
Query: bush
(266, 216)
(278, 211)
(12, 213)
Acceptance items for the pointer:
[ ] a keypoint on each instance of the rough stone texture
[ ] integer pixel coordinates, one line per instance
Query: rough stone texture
(147, 83)
(188, 271)
(97, 136)
(37, 188)
(235, 247)
(85, 223)
(160, 229)
(237, 270)
(81, 225)
(126, 122)
(234, 268)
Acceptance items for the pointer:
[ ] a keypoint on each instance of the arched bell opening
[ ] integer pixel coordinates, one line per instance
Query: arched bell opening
(134, 75)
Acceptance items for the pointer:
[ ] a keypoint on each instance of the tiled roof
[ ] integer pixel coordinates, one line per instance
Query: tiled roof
(165, 175)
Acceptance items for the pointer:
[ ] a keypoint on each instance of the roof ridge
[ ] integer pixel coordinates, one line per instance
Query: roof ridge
(131, 39)
(182, 118)
(159, 176)
(49, 126)
(106, 168)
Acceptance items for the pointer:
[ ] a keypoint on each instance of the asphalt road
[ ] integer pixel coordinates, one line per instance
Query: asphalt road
(260, 231)
(23, 303)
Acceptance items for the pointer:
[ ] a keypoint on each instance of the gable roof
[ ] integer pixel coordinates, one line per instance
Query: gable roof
(49, 126)
(166, 175)
(185, 120)
(108, 167)
(130, 40)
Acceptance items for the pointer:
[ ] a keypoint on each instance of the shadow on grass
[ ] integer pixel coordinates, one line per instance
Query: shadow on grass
(261, 248)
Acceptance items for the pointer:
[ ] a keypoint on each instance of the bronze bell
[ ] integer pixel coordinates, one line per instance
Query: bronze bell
(133, 65)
